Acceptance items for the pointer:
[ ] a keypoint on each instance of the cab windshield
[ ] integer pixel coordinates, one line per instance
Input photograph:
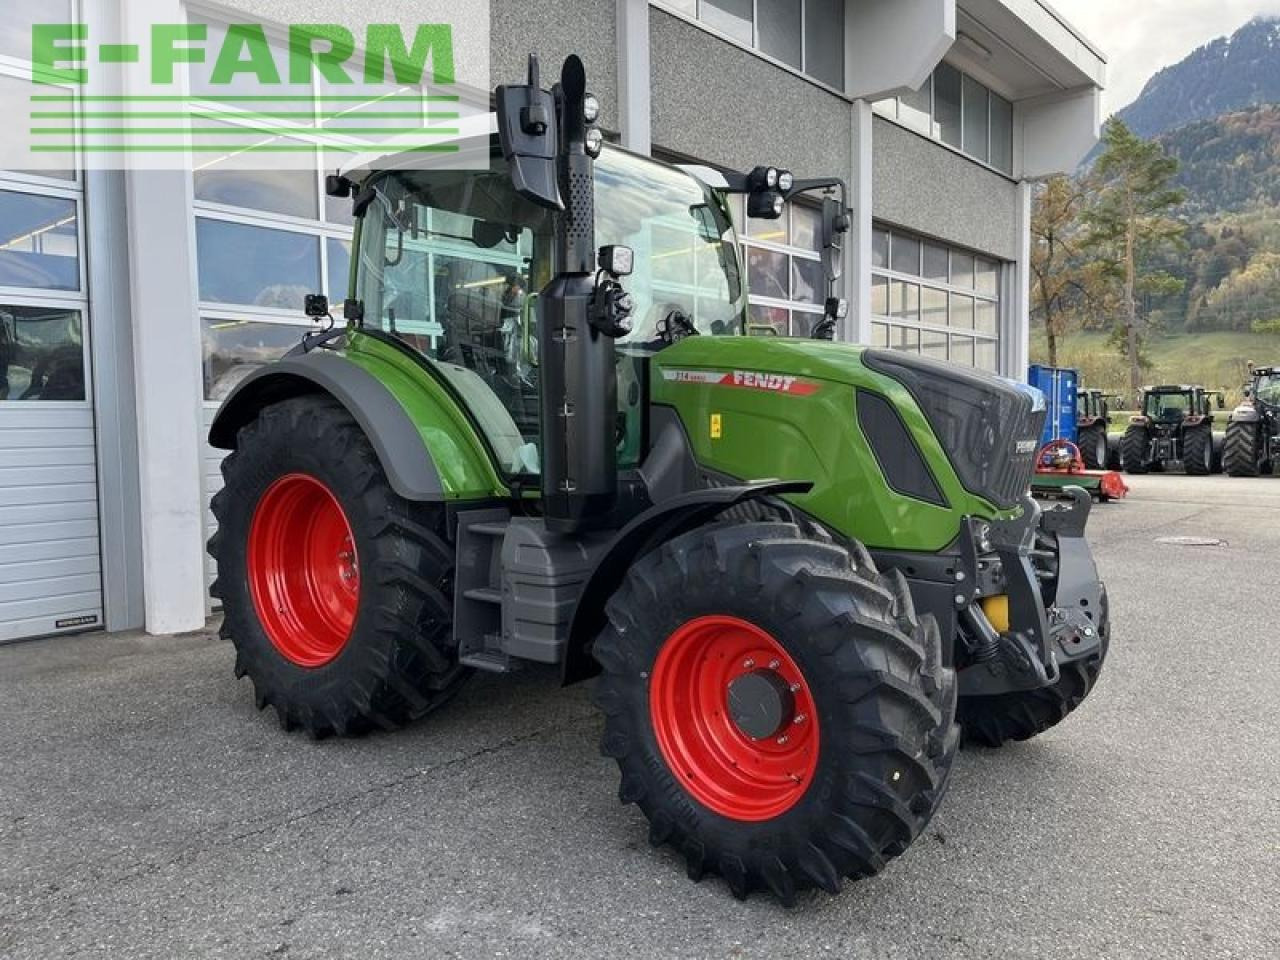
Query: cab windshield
(1268, 389)
(451, 262)
(1168, 406)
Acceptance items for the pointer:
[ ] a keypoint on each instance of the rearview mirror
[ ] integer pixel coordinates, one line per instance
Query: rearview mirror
(529, 134)
(835, 224)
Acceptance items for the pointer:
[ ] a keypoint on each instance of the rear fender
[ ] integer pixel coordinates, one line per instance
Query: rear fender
(405, 458)
(651, 529)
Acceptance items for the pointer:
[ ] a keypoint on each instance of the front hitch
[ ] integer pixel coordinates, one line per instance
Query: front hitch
(1056, 603)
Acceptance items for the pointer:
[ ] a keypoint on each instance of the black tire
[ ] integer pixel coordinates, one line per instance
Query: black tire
(1113, 452)
(1133, 450)
(994, 721)
(1197, 451)
(1092, 442)
(1241, 454)
(883, 697)
(396, 665)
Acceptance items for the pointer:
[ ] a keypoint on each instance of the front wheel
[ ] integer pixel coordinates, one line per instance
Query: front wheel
(776, 709)
(335, 591)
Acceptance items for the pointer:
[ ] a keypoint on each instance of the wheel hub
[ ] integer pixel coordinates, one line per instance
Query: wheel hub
(761, 703)
(734, 718)
(303, 570)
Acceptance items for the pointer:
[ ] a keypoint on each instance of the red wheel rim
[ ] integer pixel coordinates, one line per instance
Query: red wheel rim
(304, 574)
(720, 765)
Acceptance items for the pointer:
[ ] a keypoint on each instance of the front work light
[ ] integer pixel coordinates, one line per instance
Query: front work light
(766, 206)
(595, 142)
(590, 108)
(763, 178)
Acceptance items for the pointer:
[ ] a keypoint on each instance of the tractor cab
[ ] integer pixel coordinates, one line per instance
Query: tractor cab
(1092, 406)
(1172, 405)
(1265, 388)
(452, 263)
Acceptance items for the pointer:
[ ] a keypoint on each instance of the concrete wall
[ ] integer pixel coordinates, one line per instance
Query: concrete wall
(553, 29)
(715, 102)
(925, 187)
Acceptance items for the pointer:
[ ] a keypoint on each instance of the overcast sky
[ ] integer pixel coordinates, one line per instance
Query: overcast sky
(1141, 36)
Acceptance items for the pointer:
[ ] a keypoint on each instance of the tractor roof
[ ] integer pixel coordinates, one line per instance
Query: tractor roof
(473, 138)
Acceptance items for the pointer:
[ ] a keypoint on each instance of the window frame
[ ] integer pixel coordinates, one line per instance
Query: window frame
(891, 324)
(695, 18)
(746, 243)
(34, 184)
(890, 109)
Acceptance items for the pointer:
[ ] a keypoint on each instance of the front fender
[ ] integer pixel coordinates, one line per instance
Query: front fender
(1245, 413)
(655, 526)
(408, 464)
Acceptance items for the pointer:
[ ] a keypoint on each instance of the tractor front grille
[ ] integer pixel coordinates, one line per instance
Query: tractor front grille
(989, 427)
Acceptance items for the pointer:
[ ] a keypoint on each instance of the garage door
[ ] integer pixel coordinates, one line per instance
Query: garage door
(50, 560)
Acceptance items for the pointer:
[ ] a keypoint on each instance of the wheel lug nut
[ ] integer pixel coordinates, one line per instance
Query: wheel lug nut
(800, 718)
(783, 739)
(748, 664)
(795, 688)
(774, 664)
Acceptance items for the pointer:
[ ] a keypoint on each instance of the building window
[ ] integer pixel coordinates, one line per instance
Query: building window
(44, 309)
(954, 108)
(786, 282)
(934, 300)
(807, 35)
(41, 353)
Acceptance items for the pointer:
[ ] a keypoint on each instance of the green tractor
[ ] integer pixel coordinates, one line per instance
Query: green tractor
(1253, 432)
(797, 567)
(1174, 427)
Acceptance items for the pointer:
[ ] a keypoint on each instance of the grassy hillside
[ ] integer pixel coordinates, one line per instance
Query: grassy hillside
(1218, 359)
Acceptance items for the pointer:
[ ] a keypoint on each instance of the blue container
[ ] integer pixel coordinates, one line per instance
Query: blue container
(1059, 387)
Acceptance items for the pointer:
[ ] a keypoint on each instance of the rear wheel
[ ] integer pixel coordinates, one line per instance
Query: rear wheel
(1197, 451)
(336, 592)
(994, 721)
(1241, 454)
(1133, 450)
(1093, 446)
(775, 707)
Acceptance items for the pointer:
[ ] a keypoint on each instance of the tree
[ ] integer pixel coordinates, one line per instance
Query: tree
(1129, 223)
(1057, 273)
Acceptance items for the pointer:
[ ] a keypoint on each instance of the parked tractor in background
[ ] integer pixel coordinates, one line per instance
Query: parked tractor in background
(1253, 431)
(798, 567)
(1175, 427)
(1093, 420)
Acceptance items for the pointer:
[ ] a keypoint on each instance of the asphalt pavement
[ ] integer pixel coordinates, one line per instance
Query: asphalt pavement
(148, 810)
